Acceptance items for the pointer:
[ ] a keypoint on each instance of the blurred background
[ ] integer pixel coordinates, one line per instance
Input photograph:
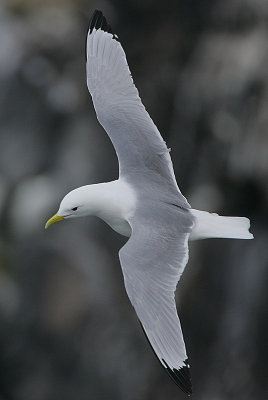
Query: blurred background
(67, 329)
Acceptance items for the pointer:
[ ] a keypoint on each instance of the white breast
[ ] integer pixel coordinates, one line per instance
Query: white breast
(118, 204)
(118, 224)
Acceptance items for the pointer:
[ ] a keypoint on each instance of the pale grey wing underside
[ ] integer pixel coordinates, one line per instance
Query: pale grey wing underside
(155, 255)
(152, 262)
(141, 151)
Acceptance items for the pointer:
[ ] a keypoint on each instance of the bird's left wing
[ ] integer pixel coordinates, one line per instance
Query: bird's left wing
(152, 262)
(140, 148)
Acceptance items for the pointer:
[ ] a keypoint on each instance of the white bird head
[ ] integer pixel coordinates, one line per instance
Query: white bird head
(76, 203)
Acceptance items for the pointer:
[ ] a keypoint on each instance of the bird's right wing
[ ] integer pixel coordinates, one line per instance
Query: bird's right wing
(152, 262)
(141, 150)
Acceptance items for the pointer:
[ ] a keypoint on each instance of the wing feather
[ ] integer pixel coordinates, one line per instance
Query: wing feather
(152, 262)
(141, 150)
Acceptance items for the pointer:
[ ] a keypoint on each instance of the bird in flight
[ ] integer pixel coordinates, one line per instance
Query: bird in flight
(144, 204)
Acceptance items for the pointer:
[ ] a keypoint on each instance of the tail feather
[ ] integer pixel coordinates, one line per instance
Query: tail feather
(209, 225)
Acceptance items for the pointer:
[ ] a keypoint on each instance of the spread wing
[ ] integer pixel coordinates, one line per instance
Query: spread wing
(140, 149)
(152, 262)
(155, 255)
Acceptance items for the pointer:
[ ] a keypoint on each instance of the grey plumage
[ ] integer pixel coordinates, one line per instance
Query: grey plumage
(155, 256)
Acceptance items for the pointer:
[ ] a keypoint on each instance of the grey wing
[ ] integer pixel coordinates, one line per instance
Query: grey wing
(139, 146)
(152, 262)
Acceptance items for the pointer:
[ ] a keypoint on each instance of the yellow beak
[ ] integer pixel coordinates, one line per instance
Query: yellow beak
(52, 220)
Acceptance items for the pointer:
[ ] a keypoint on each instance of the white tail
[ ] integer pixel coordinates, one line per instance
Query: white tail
(209, 225)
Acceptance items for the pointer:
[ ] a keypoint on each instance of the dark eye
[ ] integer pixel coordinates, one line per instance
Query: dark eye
(74, 209)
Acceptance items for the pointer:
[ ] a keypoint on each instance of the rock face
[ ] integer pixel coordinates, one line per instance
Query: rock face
(67, 329)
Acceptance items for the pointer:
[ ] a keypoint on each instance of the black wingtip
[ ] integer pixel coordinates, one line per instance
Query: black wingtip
(181, 377)
(98, 21)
